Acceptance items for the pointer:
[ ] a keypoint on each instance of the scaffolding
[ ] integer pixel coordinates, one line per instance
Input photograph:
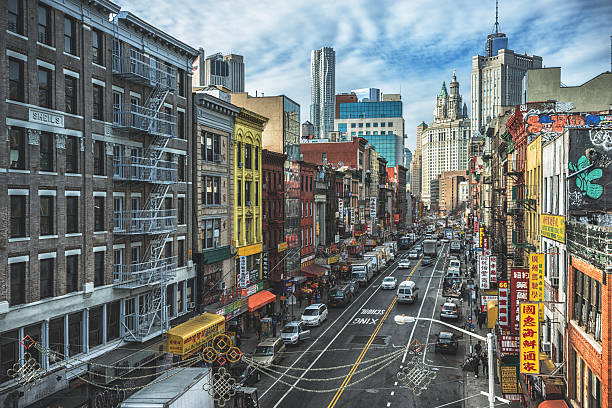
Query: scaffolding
(147, 316)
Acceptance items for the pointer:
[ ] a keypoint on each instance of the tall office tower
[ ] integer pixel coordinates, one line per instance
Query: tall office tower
(417, 163)
(445, 142)
(217, 69)
(407, 161)
(367, 94)
(497, 78)
(323, 83)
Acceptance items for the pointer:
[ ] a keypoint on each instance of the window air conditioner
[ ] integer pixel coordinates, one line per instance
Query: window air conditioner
(554, 281)
(546, 347)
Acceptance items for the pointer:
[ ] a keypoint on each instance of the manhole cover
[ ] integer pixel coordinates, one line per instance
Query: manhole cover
(378, 340)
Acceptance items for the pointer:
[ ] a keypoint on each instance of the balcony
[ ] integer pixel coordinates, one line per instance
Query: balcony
(134, 168)
(144, 222)
(144, 274)
(135, 118)
(213, 255)
(591, 242)
(143, 70)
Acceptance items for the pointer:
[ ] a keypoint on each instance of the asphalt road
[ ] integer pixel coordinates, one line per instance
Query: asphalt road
(350, 357)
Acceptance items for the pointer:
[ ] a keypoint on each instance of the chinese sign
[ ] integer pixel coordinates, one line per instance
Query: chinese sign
(503, 305)
(341, 208)
(352, 215)
(264, 266)
(372, 207)
(493, 268)
(483, 265)
(509, 344)
(481, 237)
(519, 292)
(244, 273)
(529, 339)
(509, 379)
(553, 227)
(484, 300)
(485, 242)
(536, 277)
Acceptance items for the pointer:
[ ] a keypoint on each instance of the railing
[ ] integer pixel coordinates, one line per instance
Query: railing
(144, 221)
(144, 169)
(143, 274)
(143, 69)
(135, 117)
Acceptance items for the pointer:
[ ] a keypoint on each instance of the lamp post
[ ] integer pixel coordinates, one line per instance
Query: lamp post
(403, 319)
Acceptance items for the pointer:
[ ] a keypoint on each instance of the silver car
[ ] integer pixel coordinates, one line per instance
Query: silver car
(293, 332)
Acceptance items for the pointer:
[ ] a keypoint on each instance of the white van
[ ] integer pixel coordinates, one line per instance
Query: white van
(453, 272)
(408, 292)
(454, 263)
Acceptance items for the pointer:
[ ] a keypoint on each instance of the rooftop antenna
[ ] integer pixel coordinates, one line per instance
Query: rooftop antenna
(496, 14)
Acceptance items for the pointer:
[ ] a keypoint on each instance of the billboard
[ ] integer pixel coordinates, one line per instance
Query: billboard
(536, 277)
(530, 338)
(519, 292)
(553, 227)
(503, 304)
(483, 269)
(373, 207)
(493, 269)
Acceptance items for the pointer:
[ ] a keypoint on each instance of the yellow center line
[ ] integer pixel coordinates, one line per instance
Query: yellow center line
(367, 346)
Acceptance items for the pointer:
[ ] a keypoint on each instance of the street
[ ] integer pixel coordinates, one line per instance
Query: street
(334, 365)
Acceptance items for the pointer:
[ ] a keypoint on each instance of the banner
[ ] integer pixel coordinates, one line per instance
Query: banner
(509, 379)
(352, 215)
(481, 237)
(553, 227)
(502, 303)
(483, 270)
(493, 268)
(485, 242)
(519, 292)
(244, 274)
(372, 207)
(536, 277)
(529, 339)
(341, 208)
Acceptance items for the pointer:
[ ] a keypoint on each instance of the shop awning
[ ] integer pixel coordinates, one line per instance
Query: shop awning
(553, 404)
(313, 271)
(260, 299)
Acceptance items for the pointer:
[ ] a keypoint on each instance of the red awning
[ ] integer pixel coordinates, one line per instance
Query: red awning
(260, 299)
(553, 404)
(313, 270)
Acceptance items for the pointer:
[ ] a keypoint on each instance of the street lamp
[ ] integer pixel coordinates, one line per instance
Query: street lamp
(403, 319)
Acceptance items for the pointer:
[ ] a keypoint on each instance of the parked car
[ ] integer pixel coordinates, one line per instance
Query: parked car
(245, 374)
(447, 343)
(450, 310)
(314, 315)
(413, 254)
(340, 295)
(403, 264)
(269, 351)
(427, 261)
(389, 283)
(293, 332)
(353, 286)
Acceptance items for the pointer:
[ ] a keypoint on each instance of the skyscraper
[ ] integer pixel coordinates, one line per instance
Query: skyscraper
(323, 83)
(218, 69)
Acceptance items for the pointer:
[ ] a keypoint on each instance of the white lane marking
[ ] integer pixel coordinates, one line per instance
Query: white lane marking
(364, 320)
(433, 312)
(392, 393)
(421, 308)
(324, 350)
(395, 384)
(388, 404)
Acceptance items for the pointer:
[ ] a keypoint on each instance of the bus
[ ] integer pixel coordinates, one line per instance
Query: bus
(404, 242)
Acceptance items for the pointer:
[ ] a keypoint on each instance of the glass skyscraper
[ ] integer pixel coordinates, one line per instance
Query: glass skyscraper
(323, 91)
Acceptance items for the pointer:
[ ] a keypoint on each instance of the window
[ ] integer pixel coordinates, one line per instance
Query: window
(180, 118)
(168, 249)
(72, 154)
(352, 125)
(181, 253)
(256, 158)
(97, 47)
(46, 215)
(368, 124)
(9, 353)
(112, 320)
(72, 273)
(181, 82)
(69, 35)
(99, 213)
(16, 81)
(47, 151)
(587, 303)
(44, 25)
(211, 151)
(324, 158)
(44, 87)
(135, 254)
(248, 156)
(256, 193)
(247, 192)
(389, 124)
(18, 216)
(17, 148)
(46, 278)
(382, 124)
(212, 193)
(181, 210)
(239, 193)
(18, 278)
(70, 90)
(75, 344)
(211, 233)
(239, 154)
(99, 268)
(95, 326)
(99, 158)
(57, 337)
(15, 16)
(98, 109)
(181, 167)
(72, 214)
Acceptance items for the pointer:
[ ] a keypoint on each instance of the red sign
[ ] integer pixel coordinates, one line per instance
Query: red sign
(485, 242)
(493, 269)
(509, 344)
(503, 305)
(519, 292)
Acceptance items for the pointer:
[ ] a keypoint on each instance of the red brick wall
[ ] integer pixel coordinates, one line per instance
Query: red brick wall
(345, 152)
(273, 223)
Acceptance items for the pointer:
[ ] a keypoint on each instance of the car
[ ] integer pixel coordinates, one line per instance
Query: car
(353, 286)
(447, 342)
(314, 314)
(427, 261)
(445, 240)
(413, 255)
(450, 310)
(403, 264)
(293, 332)
(418, 248)
(340, 295)
(389, 283)
(269, 351)
(245, 374)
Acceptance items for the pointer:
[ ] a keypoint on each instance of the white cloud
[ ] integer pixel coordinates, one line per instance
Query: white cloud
(385, 43)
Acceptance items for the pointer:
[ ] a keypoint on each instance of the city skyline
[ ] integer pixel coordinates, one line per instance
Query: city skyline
(405, 51)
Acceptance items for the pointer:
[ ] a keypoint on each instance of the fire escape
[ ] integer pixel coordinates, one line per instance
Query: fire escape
(148, 315)
(516, 208)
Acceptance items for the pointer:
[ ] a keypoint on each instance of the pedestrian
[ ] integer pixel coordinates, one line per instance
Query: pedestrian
(299, 299)
(274, 326)
(481, 320)
(476, 289)
(485, 363)
(477, 349)
(258, 328)
(476, 363)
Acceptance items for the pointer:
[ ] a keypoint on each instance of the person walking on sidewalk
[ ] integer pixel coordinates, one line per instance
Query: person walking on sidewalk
(481, 320)
(274, 321)
(478, 349)
(258, 328)
(476, 363)
(485, 363)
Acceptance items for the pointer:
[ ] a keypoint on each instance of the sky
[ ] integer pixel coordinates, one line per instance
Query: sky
(412, 45)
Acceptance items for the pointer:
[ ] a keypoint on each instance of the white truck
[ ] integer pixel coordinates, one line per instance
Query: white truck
(385, 254)
(430, 248)
(392, 246)
(374, 257)
(362, 271)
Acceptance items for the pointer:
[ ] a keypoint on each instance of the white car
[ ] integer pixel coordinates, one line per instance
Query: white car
(389, 283)
(404, 264)
(314, 315)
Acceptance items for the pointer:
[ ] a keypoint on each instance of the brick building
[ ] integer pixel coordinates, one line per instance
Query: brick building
(96, 240)
(307, 228)
(273, 224)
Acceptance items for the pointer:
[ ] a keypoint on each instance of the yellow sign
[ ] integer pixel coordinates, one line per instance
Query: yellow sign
(249, 250)
(282, 246)
(536, 277)
(189, 336)
(333, 259)
(530, 339)
(509, 379)
(481, 236)
(553, 227)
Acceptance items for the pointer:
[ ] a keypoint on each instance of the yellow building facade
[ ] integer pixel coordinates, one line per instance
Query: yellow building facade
(533, 185)
(248, 128)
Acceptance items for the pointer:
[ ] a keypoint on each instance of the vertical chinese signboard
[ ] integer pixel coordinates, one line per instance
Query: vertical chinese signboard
(341, 208)
(529, 339)
(493, 268)
(481, 237)
(509, 379)
(519, 292)
(536, 277)
(502, 302)
(483, 265)
(372, 207)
